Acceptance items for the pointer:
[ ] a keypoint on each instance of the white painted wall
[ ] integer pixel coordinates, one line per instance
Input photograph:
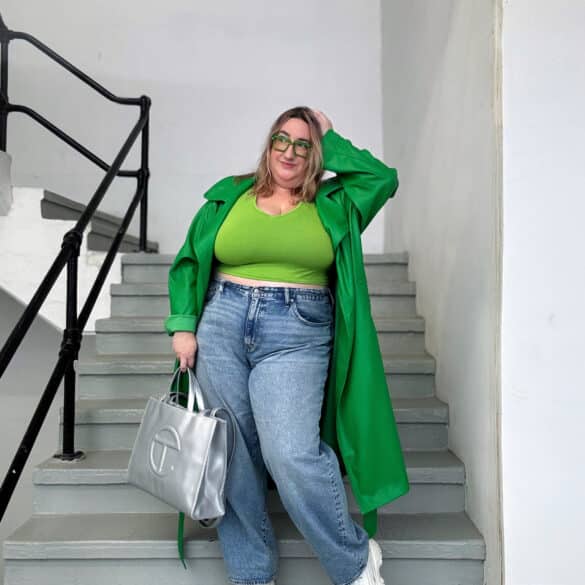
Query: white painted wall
(29, 245)
(5, 183)
(19, 396)
(218, 73)
(440, 131)
(543, 396)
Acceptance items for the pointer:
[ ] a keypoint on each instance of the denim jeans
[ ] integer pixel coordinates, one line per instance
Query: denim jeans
(263, 353)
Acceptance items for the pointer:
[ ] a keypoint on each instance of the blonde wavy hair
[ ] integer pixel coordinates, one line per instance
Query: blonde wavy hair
(307, 191)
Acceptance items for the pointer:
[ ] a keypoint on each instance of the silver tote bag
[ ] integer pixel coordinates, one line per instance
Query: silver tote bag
(181, 456)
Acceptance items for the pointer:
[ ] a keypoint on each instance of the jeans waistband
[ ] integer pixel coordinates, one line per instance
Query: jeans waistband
(276, 292)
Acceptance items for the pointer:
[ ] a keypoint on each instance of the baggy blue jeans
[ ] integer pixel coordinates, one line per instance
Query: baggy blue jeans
(263, 353)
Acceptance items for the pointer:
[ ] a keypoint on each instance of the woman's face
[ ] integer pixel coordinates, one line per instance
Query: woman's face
(288, 169)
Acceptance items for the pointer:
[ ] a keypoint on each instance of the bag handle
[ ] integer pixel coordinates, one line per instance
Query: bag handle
(195, 393)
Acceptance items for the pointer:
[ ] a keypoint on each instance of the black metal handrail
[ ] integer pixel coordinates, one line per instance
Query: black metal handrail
(75, 323)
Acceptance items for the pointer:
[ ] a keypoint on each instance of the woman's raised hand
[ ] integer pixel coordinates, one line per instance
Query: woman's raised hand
(185, 346)
(324, 121)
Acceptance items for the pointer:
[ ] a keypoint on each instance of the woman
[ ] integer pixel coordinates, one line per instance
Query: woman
(265, 332)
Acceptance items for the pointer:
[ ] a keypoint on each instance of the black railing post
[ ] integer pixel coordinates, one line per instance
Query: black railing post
(70, 349)
(4, 40)
(144, 172)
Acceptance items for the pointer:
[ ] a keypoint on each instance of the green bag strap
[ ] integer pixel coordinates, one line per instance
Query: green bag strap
(183, 390)
(371, 522)
(180, 538)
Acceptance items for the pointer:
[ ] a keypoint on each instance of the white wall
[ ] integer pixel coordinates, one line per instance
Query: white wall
(5, 183)
(19, 396)
(543, 396)
(440, 130)
(38, 251)
(218, 73)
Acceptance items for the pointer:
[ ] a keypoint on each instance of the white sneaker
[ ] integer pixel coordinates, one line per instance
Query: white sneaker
(371, 574)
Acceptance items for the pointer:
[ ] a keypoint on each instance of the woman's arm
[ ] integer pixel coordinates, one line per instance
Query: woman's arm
(366, 180)
(182, 280)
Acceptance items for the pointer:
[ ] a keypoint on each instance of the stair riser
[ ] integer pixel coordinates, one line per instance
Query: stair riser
(127, 499)
(103, 243)
(141, 386)
(396, 305)
(413, 436)
(211, 571)
(160, 343)
(140, 306)
(158, 306)
(376, 274)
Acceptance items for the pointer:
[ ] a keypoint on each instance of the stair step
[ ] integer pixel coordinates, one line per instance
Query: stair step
(131, 289)
(419, 363)
(104, 226)
(113, 423)
(151, 299)
(381, 269)
(133, 375)
(386, 258)
(146, 335)
(60, 487)
(428, 410)
(142, 324)
(140, 258)
(442, 549)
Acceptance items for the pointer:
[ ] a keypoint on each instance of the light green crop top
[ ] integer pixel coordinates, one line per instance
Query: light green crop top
(291, 247)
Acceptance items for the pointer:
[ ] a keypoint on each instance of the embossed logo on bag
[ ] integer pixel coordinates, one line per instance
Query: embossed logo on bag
(163, 440)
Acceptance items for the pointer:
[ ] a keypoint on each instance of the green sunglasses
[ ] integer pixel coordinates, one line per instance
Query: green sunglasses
(281, 142)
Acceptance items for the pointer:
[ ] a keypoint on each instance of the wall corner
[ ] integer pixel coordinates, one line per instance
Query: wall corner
(5, 183)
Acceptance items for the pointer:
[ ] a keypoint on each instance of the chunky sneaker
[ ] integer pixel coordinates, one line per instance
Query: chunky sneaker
(371, 574)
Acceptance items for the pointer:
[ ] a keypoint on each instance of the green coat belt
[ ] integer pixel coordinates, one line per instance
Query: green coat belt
(357, 419)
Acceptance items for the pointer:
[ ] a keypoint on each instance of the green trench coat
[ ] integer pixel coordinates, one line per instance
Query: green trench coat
(357, 419)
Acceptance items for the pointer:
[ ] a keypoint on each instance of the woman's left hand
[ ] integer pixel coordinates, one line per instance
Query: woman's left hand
(324, 121)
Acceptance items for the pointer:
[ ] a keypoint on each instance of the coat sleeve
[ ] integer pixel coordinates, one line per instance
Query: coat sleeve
(182, 280)
(367, 182)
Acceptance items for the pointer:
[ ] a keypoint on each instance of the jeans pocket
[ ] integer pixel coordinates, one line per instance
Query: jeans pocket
(316, 312)
(212, 291)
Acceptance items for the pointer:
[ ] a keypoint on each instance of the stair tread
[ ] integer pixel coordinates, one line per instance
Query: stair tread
(130, 325)
(427, 409)
(387, 257)
(137, 324)
(139, 289)
(144, 258)
(83, 536)
(110, 466)
(393, 287)
(94, 363)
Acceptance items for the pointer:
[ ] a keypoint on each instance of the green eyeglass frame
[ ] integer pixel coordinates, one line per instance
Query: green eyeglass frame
(281, 142)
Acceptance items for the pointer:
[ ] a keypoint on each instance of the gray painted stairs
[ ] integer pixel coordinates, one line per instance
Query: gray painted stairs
(90, 527)
(103, 226)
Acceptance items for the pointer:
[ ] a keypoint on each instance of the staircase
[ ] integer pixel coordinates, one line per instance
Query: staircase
(90, 527)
